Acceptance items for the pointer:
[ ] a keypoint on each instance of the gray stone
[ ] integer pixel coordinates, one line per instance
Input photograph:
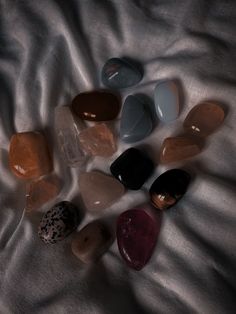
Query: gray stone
(118, 73)
(166, 98)
(136, 122)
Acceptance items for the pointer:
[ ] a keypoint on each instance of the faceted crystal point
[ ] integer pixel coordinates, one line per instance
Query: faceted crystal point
(204, 119)
(168, 188)
(178, 148)
(39, 192)
(29, 155)
(136, 121)
(132, 168)
(98, 140)
(67, 129)
(118, 73)
(58, 222)
(137, 233)
(98, 190)
(92, 242)
(166, 98)
(96, 106)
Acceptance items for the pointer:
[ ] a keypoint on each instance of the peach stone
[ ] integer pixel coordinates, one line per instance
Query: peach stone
(29, 156)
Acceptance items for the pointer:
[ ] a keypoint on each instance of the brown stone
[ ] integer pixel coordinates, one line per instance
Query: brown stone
(96, 106)
(41, 191)
(204, 119)
(29, 156)
(98, 140)
(91, 242)
(179, 148)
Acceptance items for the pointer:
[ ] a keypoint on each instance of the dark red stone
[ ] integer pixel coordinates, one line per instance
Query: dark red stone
(137, 232)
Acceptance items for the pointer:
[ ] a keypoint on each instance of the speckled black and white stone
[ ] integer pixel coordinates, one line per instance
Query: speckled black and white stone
(58, 222)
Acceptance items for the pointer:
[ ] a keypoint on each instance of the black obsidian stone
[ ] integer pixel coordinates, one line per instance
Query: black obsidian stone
(168, 188)
(132, 168)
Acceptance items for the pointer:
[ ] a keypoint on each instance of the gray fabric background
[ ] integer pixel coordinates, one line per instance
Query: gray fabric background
(52, 50)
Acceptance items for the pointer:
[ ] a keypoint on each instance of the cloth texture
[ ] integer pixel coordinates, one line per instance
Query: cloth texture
(52, 50)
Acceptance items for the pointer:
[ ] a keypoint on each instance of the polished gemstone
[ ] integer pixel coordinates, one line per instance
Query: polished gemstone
(204, 119)
(92, 242)
(118, 73)
(96, 106)
(67, 128)
(166, 98)
(41, 191)
(98, 140)
(179, 148)
(132, 168)
(58, 222)
(29, 156)
(99, 190)
(168, 188)
(137, 233)
(136, 121)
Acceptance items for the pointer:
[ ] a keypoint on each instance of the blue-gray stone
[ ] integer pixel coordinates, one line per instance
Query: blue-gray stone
(136, 121)
(118, 73)
(166, 99)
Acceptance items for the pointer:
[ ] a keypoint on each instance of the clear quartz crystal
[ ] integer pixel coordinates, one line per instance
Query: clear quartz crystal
(67, 128)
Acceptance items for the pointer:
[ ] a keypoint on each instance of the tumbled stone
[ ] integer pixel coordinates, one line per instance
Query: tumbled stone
(168, 188)
(179, 148)
(98, 190)
(137, 233)
(41, 191)
(58, 222)
(96, 106)
(67, 128)
(29, 155)
(98, 140)
(132, 168)
(136, 121)
(166, 97)
(92, 242)
(118, 73)
(204, 119)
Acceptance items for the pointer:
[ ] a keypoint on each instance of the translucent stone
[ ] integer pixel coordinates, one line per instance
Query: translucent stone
(41, 191)
(67, 129)
(98, 140)
(96, 106)
(91, 242)
(204, 119)
(178, 148)
(29, 156)
(99, 190)
(137, 233)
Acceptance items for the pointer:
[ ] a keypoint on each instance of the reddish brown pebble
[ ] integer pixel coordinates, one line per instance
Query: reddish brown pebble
(40, 191)
(204, 119)
(178, 148)
(96, 106)
(91, 242)
(29, 156)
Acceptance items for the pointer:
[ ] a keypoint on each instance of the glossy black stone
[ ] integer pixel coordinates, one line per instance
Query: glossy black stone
(132, 168)
(58, 222)
(168, 188)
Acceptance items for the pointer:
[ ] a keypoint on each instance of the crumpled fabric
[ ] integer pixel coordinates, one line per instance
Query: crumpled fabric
(52, 50)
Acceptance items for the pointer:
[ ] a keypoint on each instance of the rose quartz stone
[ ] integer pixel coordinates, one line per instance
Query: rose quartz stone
(99, 190)
(41, 191)
(137, 232)
(98, 140)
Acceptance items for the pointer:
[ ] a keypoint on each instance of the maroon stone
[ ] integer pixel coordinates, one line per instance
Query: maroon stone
(137, 232)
